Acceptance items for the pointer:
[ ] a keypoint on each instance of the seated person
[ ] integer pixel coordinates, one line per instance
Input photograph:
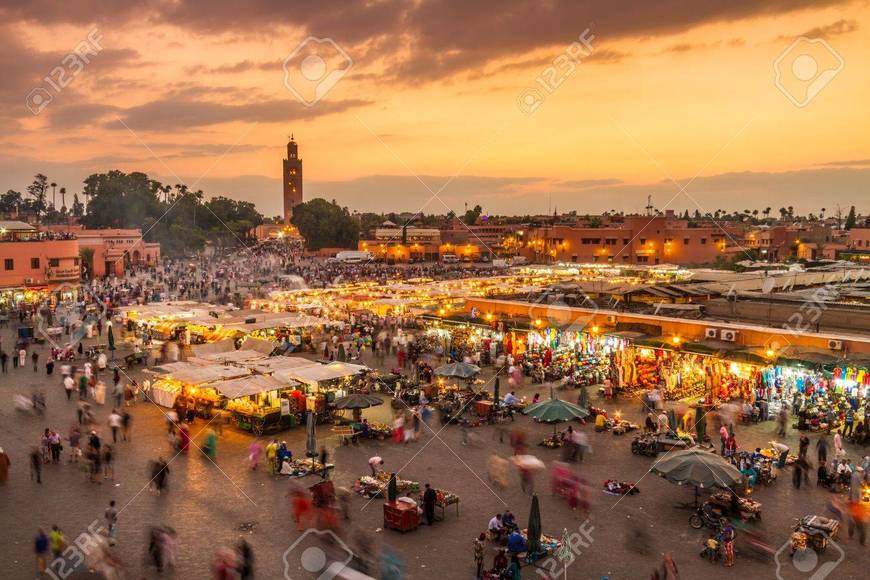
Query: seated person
(751, 475)
(496, 527)
(500, 563)
(508, 521)
(286, 467)
(365, 428)
(516, 543)
(823, 478)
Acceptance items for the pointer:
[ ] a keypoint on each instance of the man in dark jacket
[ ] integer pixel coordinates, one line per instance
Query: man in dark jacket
(429, 499)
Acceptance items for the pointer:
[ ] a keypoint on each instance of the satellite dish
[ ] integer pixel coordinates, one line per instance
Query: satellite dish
(768, 285)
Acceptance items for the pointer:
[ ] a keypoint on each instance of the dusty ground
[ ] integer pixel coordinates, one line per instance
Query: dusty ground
(207, 503)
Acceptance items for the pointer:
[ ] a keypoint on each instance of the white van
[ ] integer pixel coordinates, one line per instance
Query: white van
(450, 258)
(353, 257)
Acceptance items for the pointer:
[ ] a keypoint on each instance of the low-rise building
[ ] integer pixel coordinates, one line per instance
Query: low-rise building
(34, 263)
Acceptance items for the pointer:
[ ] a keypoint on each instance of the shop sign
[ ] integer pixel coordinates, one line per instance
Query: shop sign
(285, 407)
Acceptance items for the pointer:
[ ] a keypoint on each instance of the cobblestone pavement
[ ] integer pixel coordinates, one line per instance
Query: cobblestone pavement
(208, 504)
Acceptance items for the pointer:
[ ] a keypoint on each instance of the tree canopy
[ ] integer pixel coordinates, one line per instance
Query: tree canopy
(325, 224)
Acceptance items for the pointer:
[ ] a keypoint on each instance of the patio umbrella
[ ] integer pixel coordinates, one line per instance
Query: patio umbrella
(555, 411)
(111, 341)
(698, 468)
(534, 529)
(458, 370)
(311, 436)
(392, 489)
(701, 424)
(357, 402)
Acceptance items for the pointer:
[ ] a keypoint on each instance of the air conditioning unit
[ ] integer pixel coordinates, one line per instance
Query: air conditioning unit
(611, 319)
(29, 281)
(835, 344)
(728, 335)
(711, 332)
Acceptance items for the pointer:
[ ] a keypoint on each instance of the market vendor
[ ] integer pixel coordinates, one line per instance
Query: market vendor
(508, 521)
(782, 452)
(496, 527)
(376, 464)
(511, 399)
(516, 543)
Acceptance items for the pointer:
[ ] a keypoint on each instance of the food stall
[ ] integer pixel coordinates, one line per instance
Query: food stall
(183, 379)
(260, 403)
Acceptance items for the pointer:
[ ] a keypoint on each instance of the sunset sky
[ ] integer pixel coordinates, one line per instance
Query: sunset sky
(674, 94)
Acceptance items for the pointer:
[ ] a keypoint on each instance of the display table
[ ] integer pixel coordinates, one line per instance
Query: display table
(483, 408)
(400, 516)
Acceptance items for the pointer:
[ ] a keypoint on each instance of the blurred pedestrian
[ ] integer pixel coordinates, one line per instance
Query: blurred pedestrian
(41, 550)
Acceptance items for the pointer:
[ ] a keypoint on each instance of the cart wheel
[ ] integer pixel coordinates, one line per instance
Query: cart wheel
(696, 522)
(257, 429)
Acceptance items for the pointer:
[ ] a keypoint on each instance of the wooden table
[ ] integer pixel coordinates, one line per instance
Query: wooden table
(400, 516)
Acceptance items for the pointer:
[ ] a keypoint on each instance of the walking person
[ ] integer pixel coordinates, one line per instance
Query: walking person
(57, 541)
(111, 515)
(126, 424)
(36, 465)
(4, 466)
(115, 422)
(35, 358)
(40, 546)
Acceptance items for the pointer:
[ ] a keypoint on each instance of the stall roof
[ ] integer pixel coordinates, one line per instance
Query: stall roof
(316, 373)
(222, 346)
(194, 374)
(245, 386)
(279, 363)
(237, 356)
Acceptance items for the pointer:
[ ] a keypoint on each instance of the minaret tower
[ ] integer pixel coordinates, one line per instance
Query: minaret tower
(292, 179)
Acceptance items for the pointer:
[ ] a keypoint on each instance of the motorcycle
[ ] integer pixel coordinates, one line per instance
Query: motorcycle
(814, 531)
(706, 516)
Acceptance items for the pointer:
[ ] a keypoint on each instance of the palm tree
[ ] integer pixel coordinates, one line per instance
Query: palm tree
(53, 195)
(63, 197)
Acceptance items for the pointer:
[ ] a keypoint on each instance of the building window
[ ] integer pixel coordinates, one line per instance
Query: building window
(685, 241)
(53, 262)
(642, 241)
(610, 241)
(703, 241)
(625, 258)
(625, 241)
(34, 263)
(642, 259)
(9, 264)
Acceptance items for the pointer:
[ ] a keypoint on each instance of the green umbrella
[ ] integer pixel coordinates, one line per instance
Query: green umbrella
(392, 489)
(534, 530)
(357, 402)
(698, 468)
(555, 411)
(111, 341)
(458, 370)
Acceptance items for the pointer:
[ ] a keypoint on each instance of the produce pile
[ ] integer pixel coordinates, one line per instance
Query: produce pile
(375, 486)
